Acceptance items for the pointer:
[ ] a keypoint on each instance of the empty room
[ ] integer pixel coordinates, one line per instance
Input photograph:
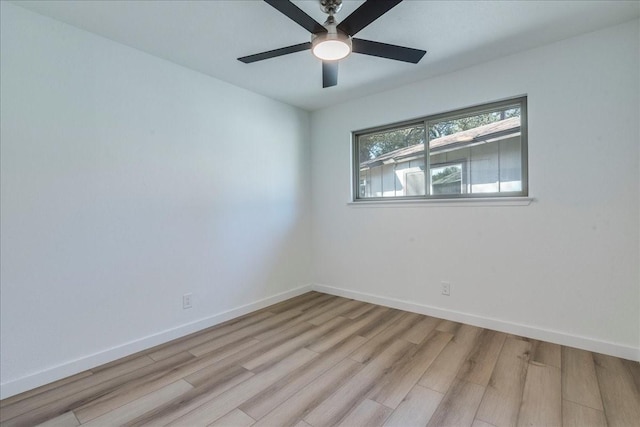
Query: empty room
(319, 213)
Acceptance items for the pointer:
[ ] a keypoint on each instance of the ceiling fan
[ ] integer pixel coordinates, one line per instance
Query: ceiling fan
(331, 41)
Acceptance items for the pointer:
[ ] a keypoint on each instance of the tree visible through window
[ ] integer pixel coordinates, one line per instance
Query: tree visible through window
(374, 145)
(449, 127)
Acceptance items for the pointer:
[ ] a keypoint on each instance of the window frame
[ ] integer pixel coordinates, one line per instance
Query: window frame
(426, 121)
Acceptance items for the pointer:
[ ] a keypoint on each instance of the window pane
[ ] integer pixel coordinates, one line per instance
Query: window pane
(483, 149)
(391, 162)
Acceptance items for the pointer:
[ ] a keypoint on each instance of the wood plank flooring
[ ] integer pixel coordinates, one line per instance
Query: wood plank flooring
(318, 360)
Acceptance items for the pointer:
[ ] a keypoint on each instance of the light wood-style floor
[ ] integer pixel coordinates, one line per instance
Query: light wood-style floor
(320, 360)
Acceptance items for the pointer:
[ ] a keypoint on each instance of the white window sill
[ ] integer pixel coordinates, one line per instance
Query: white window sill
(480, 201)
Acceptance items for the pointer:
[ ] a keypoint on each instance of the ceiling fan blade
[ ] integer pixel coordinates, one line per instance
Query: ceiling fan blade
(365, 15)
(329, 73)
(294, 13)
(276, 52)
(389, 51)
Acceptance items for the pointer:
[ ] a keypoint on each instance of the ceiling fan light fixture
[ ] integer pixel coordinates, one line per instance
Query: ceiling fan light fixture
(331, 46)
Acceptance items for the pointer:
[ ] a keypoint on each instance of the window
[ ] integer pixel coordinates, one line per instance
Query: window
(475, 152)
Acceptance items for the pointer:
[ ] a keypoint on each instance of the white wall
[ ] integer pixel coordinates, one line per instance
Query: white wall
(564, 268)
(128, 181)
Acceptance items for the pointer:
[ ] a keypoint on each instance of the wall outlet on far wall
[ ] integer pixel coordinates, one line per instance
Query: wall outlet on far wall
(186, 301)
(446, 288)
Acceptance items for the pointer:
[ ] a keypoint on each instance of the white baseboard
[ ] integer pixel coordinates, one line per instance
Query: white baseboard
(557, 337)
(72, 367)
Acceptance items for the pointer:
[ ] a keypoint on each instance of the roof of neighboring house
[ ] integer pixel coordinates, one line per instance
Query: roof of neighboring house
(481, 134)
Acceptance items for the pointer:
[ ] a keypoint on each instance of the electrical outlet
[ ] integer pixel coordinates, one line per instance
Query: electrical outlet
(186, 301)
(446, 288)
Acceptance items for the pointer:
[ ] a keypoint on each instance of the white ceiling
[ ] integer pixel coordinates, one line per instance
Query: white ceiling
(208, 36)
